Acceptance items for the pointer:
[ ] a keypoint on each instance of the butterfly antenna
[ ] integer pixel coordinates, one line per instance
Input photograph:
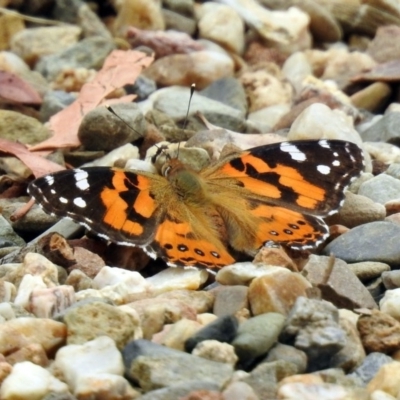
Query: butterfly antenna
(109, 108)
(192, 89)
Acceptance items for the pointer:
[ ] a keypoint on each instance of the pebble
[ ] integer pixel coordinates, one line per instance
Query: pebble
(257, 335)
(265, 376)
(102, 130)
(154, 313)
(386, 379)
(173, 102)
(200, 68)
(230, 300)
(23, 331)
(290, 354)
(261, 83)
(179, 390)
(30, 381)
(313, 326)
(391, 279)
(389, 303)
(370, 366)
(276, 291)
(221, 24)
(94, 368)
(361, 244)
(318, 121)
(34, 43)
(223, 329)
(357, 210)
(154, 366)
(30, 130)
(379, 332)
(337, 283)
(175, 335)
(384, 130)
(87, 320)
(381, 189)
(214, 350)
(201, 301)
(88, 53)
(8, 236)
(369, 270)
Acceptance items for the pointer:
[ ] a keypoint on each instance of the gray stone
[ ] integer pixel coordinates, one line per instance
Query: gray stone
(101, 129)
(230, 300)
(265, 377)
(180, 390)
(381, 189)
(53, 102)
(337, 283)
(173, 101)
(314, 327)
(368, 270)
(228, 91)
(288, 353)
(385, 130)
(179, 22)
(358, 210)
(88, 53)
(7, 235)
(257, 335)
(375, 241)
(155, 366)
(370, 366)
(391, 279)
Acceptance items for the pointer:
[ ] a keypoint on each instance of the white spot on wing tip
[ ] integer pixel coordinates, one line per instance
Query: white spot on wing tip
(293, 151)
(323, 169)
(81, 181)
(49, 179)
(79, 202)
(324, 143)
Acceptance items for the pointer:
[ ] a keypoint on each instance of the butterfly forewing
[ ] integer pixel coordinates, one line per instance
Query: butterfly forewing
(307, 176)
(115, 204)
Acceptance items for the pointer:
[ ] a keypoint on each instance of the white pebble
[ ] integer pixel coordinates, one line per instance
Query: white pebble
(29, 381)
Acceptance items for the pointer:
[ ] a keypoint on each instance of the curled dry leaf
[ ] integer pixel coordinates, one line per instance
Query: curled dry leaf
(16, 90)
(163, 43)
(120, 68)
(37, 164)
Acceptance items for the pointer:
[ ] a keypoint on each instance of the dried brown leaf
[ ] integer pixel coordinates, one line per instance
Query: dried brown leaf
(15, 89)
(37, 164)
(119, 69)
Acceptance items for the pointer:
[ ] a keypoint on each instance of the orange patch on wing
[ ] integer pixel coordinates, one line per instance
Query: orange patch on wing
(170, 235)
(144, 204)
(309, 194)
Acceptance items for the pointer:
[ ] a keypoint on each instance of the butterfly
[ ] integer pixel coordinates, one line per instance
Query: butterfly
(277, 192)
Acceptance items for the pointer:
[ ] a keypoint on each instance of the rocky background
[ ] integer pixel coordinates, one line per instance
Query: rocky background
(84, 319)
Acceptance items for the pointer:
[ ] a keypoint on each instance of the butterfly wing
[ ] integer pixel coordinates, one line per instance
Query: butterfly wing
(118, 205)
(281, 190)
(187, 242)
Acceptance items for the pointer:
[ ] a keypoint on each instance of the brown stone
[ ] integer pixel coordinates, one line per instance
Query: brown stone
(276, 291)
(379, 332)
(275, 257)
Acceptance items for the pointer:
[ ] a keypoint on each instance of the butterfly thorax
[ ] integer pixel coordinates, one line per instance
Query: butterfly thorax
(186, 183)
